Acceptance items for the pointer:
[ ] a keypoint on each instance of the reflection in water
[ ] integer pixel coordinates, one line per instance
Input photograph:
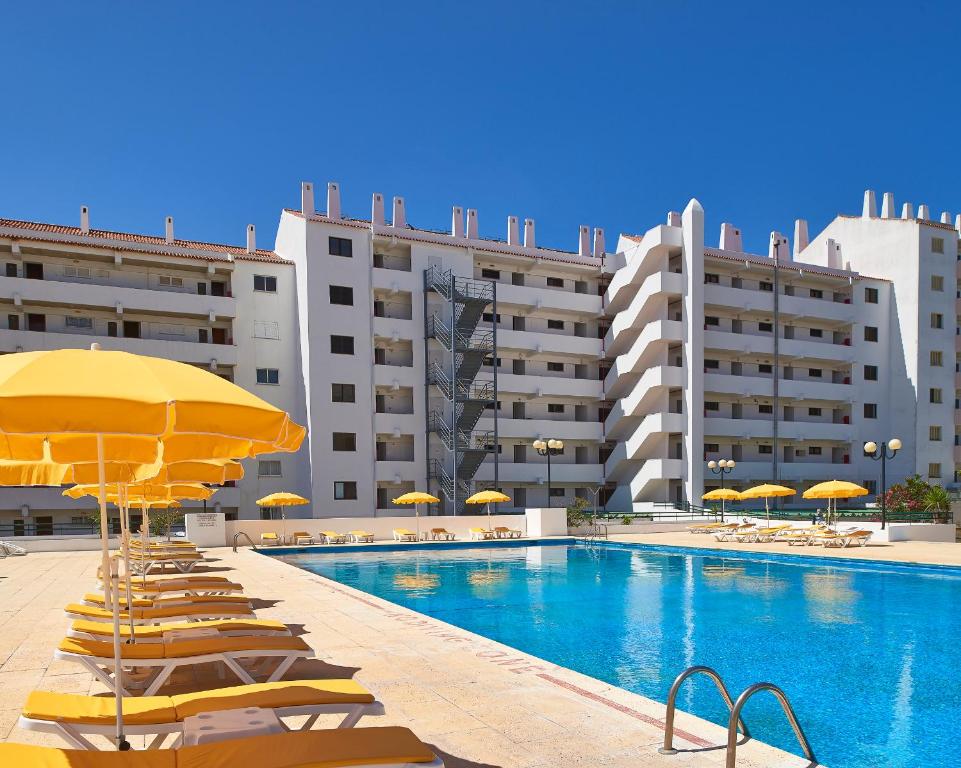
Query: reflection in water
(486, 578)
(830, 597)
(899, 739)
(416, 581)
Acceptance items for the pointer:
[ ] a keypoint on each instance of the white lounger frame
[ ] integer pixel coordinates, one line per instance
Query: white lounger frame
(211, 615)
(102, 668)
(239, 632)
(75, 733)
(140, 568)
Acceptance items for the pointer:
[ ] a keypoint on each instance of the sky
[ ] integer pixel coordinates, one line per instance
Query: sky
(608, 114)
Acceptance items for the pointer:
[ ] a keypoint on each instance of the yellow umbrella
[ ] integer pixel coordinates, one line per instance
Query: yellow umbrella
(74, 406)
(767, 491)
(415, 498)
(487, 497)
(282, 499)
(834, 489)
(722, 495)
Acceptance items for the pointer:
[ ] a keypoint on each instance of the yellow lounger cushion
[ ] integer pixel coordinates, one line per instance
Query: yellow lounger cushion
(160, 710)
(143, 602)
(165, 611)
(297, 693)
(182, 649)
(105, 628)
(29, 756)
(310, 749)
(102, 649)
(196, 585)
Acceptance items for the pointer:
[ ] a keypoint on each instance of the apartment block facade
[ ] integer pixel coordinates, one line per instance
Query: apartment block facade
(434, 359)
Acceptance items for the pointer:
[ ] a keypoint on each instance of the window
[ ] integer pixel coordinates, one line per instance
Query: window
(491, 274)
(934, 470)
(344, 490)
(870, 373)
(265, 283)
(557, 491)
(342, 294)
(870, 333)
(556, 367)
(816, 293)
(934, 395)
(816, 333)
(814, 450)
(711, 405)
(167, 281)
(814, 411)
(765, 449)
(765, 327)
(340, 246)
(266, 329)
(11, 270)
(937, 283)
(268, 468)
(937, 358)
(765, 408)
(870, 295)
(870, 410)
(555, 325)
(555, 408)
(171, 330)
(82, 273)
(202, 334)
(711, 320)
(712, 364)
(341, 345)
(13, 322)
(79, 322)
(268, 376)
(712, 447)
(345, 441)
(555, 282)
(488, 317)
(711, 278)
(937, 245)
(32, 270)
(764, 285)
(491, 362)
(342, 393)
(934, 433)
(765, 368)
(815, 373)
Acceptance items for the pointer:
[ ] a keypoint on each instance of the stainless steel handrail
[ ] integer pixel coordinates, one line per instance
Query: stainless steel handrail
(244, 534)
(788, 713)
(668, 748)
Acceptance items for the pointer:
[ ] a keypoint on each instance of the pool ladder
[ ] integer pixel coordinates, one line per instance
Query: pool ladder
(734, 722)
(242, 533)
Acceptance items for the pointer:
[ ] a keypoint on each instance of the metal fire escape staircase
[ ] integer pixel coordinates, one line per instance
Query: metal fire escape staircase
(465, 347)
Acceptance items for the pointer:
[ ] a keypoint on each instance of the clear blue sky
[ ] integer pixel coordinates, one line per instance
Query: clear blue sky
(606, 114)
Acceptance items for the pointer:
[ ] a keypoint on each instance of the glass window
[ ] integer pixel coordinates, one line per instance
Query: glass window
(934, 433)
(765, 327)
(870, 295)
(934, 470)
(340, 246)
(937, 283)
(555, 325)
(815, 373)
(711, 278)
(937, 245)
(937, 320)
(556, 367)
(934, 395)
(345, 441)
(342, 345)
(555, 408)
(342, 294)
(345, 490)
(870, 373)
(711, 320)
(555, 282)
(265, 283)
(870, 333)
(268, 376)
(870, 410)
(817, 293)
(937, 358)
(816, 333)
(342, 393)
(268, 468)
(764, 285)
(491, 274)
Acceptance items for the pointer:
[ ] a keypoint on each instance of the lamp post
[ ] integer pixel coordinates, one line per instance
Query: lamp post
(549, 448)
(882, 453)
(722, 467)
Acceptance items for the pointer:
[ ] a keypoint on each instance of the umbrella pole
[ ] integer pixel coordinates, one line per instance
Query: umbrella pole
(144, 540)
(114, 587)
(417, 520)
(489, 526)
(125, 530)
(767, 511)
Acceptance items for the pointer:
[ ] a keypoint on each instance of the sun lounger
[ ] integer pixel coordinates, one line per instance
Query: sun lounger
(767, 535)
(162, 614)
(845, 538)
(164, 658)
(97, 600)
(801, 536)
(74, 717)
(707, 527)
(728, 534)
(480, 533)
(390, 747)
(183, 562)
(441, 534)
(194, 589)
(503, 532)
(269, 539)
(100, 630)
(7, 549)
(302, 537)
(402, 534)
(332, 537)
(359, 537)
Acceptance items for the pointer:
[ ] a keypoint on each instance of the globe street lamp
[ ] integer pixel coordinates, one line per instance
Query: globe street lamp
(882, 453)
(722, 467)
(549, 448)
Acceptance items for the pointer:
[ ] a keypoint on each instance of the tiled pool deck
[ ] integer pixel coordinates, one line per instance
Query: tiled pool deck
(479, 703)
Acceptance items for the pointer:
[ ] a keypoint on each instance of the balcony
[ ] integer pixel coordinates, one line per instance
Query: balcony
(794, 308)
(546, 428)
(792, 389)
(183, 351)
(650, 349)
(85, 294)
(763, 344)
(647, 395)
(650, 483)
(549, 343)
(647, 440)
(792, 473)
(789, 430)
(648, 304)
(547, 386)
(583, 474)
(552, 299)
(650, 256)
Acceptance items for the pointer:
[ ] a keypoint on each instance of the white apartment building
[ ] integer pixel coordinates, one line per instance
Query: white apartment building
(434, 359)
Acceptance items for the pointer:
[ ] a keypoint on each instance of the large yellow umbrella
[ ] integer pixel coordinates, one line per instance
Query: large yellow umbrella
(282, 499)
(74, 406)
(767, 491)
(415, 498)
(487, 497)
(722, 495)
(834, 489)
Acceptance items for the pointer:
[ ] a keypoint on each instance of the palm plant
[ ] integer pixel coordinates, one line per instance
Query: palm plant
(937, 500)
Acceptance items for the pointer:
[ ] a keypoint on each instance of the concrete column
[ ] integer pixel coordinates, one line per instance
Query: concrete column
(529, 241)
(400, 214)
(84, 220)
(307, 198)
(692, 223)
(887, 206)
(333, 200)
(471, 223)
(169, 230)
(513, 232)
(584, 241)
(907, 211)
(800, 236)
(870, 208)
(599, 246)
(924, 213)
(377, 209)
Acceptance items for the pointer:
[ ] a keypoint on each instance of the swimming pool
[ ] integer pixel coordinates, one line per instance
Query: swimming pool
(867, 653)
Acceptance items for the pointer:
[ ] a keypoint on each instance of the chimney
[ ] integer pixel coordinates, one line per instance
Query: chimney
(471, 223)
(307, 198)
(924, 212)
(513, 235)
(887, 206)
(800, 236)
(251, 239)
(584, 240)
(84, 220)
(957, 223)
(870, 209)
(457, 222)
(169, 230)
(377, 209)
(673, 219)
(529, 234)
(599, 248)
(833, 254)
(945, 217)
(400, 216)
(333, 200)
(907, 211)
(777, 248)
(730, 238)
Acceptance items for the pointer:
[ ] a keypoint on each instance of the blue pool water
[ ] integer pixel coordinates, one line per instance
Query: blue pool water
(868, 654)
